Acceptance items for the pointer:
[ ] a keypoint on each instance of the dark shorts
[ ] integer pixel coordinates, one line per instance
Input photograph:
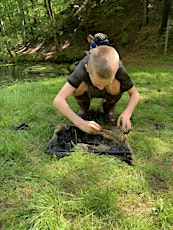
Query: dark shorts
(93, 92)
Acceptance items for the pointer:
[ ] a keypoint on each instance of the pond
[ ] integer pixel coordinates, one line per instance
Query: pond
(10, 74)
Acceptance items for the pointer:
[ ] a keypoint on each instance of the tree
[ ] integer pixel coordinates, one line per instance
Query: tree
(166, 9)
(4, 33)
(145, 18)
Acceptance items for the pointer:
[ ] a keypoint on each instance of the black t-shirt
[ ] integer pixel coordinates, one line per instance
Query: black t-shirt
(80, 74)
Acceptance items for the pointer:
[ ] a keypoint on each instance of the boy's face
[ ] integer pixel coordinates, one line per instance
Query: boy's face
(98, 82)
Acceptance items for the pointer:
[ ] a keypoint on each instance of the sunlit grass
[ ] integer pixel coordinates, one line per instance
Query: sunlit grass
(86, 191)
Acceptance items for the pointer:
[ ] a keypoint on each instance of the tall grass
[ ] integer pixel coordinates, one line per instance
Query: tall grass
(87, 191)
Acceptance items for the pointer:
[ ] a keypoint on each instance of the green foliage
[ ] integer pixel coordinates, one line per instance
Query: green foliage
(124, 38)
(27, 23)
(24, 23)
(108, 12)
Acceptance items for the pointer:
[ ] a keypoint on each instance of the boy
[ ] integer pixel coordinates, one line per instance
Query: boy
(91, 41)
(92, 45)
(98, 75)
(101, 39)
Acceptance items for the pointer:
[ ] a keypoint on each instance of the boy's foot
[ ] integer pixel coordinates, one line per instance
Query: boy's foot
(110, 116)
(108, 113)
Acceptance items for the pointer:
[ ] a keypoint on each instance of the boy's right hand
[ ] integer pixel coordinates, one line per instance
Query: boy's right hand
(90, 127)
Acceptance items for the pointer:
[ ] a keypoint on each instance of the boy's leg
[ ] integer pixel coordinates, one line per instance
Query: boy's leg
(84, 104)
(83, 96)
(82, 99)
(109, 106)
(92, 92)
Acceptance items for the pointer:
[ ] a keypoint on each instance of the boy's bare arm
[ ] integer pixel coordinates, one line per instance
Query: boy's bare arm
(60, 102)
(124, 119)
(133, 100)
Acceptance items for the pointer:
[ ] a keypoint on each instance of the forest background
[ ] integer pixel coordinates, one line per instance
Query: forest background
(56, 30)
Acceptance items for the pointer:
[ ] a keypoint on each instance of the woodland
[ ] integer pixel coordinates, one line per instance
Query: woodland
(56, 30)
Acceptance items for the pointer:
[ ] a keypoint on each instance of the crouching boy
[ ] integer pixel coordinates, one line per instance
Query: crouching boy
(100, 74)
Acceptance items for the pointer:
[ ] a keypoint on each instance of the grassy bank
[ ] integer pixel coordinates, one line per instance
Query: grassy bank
(87, 191)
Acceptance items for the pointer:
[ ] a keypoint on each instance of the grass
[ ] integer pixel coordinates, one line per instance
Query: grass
(86, 192)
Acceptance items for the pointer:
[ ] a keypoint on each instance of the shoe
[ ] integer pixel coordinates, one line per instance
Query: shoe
(110, 116)
(109, 113)
(84, 104)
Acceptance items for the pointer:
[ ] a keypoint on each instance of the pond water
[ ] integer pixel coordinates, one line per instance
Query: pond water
(27, 72)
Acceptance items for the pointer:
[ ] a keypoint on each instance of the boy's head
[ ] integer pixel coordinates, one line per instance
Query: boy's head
(90, 38)
(103, 65)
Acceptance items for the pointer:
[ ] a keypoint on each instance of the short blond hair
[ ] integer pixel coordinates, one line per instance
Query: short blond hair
(104, 61)
(90, 38)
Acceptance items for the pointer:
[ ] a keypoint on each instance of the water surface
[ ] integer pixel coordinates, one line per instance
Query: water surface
(10, 74)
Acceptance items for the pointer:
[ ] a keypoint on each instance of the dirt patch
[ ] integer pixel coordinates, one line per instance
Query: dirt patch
(68, 139)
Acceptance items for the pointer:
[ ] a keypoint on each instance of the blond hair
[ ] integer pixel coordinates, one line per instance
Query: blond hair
(90, 37)
(104, 61)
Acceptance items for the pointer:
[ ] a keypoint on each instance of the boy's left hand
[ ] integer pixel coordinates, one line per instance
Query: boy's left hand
(124, 123)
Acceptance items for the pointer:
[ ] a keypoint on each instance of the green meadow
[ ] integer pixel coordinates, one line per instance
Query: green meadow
(86, 191)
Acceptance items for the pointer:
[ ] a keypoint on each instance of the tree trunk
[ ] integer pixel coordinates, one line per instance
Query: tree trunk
(12, 21)
(33, 5)
(145, 18)
(166, 8)
(47, 5)
(49, 10)
(3, 30)
(23, 20)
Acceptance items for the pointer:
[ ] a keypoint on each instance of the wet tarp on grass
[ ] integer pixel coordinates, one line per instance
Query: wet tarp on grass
(68, 139)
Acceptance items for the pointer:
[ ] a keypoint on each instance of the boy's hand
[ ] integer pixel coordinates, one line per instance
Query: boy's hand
(124, 124)
(90, 127)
